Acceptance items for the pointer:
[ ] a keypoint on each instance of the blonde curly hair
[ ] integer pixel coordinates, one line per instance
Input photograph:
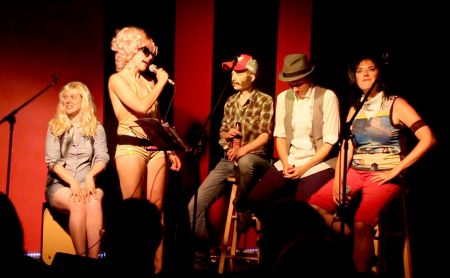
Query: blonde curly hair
(60, 123)
(126, 44)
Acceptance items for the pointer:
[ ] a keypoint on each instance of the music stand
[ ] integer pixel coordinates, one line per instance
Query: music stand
(161, 136)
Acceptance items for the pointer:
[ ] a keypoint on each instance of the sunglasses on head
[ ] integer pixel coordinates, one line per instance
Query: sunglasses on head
(147, 52)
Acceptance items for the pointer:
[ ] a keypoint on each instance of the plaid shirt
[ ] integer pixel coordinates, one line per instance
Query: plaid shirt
(256, 117)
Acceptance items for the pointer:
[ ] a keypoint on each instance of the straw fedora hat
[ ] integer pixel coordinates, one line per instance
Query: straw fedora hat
(296, 66)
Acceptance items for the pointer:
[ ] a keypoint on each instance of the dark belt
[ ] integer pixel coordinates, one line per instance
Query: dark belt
(131, 140)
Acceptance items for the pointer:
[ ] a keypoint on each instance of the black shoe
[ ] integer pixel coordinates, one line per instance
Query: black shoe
(201, 261)
(244, 221)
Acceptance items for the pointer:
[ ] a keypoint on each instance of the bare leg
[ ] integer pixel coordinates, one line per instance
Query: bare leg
(131, 170)
(94, 223)
(363, 246)
(332, 221)
(77, 218)
(156, 183)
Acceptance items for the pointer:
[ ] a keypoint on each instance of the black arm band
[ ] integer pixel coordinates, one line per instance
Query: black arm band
(418, 124)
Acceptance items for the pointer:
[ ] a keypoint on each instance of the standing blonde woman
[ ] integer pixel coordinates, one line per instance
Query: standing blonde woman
(76, 152)
(142, 172)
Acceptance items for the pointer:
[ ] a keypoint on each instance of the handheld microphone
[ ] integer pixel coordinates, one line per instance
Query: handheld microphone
(153, 69)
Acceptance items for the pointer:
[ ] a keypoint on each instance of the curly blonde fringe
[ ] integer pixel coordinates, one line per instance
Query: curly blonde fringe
(60, 123)
(126, 44)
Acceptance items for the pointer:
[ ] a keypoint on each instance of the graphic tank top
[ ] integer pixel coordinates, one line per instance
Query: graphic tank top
(376, 139)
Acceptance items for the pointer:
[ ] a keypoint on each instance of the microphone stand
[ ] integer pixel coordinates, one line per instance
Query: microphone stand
(346, 135)
(199, 145)
(11, 118)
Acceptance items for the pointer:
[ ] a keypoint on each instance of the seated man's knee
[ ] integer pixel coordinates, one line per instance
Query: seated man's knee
(245, 163)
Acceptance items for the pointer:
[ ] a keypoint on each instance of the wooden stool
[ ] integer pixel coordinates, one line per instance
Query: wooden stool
(231, 223)
(381, 235)
(54, 237)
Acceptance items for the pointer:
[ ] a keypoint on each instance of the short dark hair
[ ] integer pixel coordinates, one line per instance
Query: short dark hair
(359, 56)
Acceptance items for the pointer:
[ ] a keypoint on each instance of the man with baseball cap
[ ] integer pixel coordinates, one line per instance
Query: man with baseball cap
(252, 110)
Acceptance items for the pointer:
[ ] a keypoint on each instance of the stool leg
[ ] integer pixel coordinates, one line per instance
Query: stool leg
(258, 230)
(234, 240)
(226, 233)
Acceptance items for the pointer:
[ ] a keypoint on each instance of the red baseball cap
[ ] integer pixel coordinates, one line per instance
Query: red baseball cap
(244, 62)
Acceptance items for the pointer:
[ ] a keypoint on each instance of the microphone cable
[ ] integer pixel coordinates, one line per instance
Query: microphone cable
(170, 104)
(101, 233)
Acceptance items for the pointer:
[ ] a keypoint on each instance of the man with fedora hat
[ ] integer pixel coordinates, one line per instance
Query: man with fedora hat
(307, 125)
(296, 67)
